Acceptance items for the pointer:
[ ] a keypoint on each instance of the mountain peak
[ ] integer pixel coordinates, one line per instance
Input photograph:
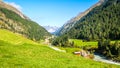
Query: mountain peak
(51, 29)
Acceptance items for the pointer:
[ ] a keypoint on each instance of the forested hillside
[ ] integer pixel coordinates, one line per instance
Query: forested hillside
(12, 21)
(69, 24)
(102, 22)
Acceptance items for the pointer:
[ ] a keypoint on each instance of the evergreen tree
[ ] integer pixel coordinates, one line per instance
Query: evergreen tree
(102, 22)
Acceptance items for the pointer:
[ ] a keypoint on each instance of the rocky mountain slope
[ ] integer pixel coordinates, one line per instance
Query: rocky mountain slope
(13, 20)
(9, 7)
(103, 22)
(66, 27)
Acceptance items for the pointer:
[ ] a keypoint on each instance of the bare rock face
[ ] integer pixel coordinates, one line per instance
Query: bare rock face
(69, 24)
(7, 6)
(9, 24)
(84, 54)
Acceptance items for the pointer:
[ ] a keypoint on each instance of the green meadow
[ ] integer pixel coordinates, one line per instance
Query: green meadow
(19, 52)
(81, 43)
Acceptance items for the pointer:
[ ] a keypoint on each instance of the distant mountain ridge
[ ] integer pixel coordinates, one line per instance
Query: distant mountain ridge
(51, 29)
(66, 27)
(15, 21)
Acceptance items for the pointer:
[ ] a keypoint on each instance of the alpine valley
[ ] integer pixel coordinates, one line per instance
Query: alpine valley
(89, 40)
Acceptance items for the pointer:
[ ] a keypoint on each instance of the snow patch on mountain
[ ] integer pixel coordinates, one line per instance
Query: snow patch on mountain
(51, 29)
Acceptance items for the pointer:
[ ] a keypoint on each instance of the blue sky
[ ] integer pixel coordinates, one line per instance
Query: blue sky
(52, 12)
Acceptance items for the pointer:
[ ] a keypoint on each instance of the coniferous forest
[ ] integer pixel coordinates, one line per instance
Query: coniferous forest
(28, 28)
(102, 22)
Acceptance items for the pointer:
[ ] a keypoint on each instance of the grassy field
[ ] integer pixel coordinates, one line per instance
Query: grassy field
(81, 43)
(19, 52)
(13, 38)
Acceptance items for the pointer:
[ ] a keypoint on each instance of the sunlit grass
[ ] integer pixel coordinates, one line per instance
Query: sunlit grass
(13, 38)
(28, 54)
(81, 43)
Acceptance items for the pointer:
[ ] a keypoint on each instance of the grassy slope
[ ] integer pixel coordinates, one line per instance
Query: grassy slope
(16, 51)
(81, 43)
(12, 38)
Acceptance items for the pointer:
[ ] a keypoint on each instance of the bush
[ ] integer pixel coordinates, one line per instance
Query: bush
(109, 50)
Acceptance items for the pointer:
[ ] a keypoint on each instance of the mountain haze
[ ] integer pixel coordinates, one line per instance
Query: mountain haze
(51, 29)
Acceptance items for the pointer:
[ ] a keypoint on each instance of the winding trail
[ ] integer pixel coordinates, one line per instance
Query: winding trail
(56, 49)
(97, 56)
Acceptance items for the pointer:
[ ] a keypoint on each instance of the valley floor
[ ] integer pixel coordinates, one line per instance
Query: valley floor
(17, 51)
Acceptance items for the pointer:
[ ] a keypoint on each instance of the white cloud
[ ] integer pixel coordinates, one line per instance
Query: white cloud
(15, 5)
(51, 30)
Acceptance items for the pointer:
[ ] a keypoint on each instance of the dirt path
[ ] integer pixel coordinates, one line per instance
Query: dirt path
(97, 57)
(56, 49)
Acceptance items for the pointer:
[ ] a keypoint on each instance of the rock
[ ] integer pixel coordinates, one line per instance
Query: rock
(84, 53)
